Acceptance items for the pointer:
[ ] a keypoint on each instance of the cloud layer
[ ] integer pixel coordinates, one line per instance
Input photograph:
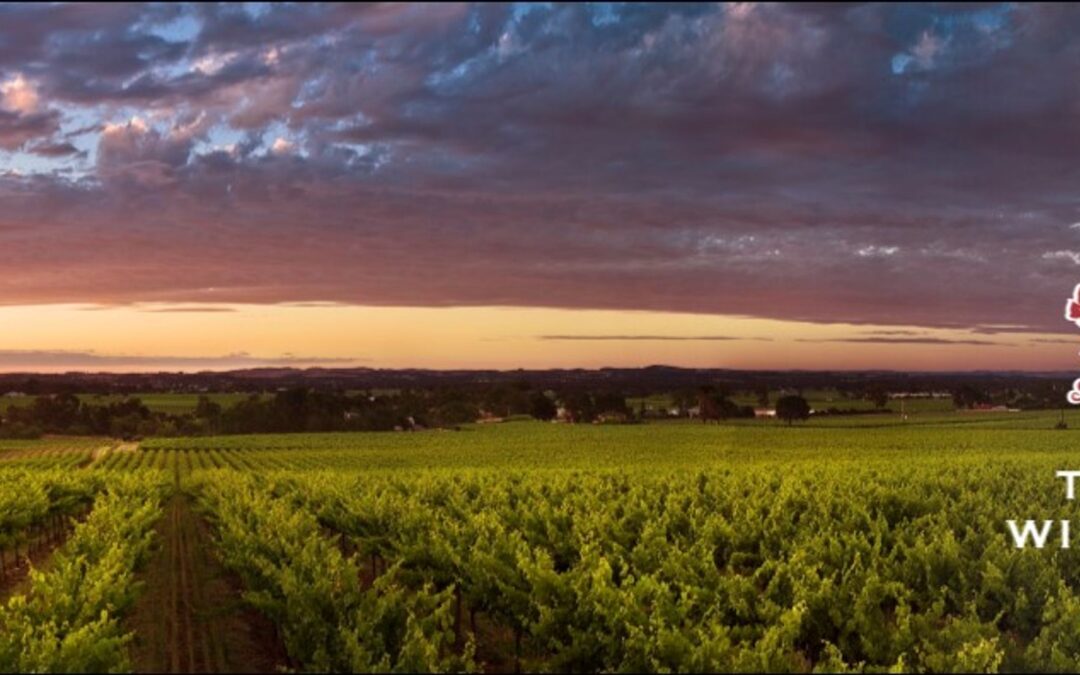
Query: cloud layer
(646, 338)
(886, 164)
(32, 359)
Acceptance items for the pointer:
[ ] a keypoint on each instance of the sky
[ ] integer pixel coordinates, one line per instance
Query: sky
(734, 185)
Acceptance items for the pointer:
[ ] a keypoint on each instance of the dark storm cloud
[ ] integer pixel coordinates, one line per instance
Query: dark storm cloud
(858, 163)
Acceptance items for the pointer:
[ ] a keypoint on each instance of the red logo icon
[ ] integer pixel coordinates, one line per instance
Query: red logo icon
(1072, 307)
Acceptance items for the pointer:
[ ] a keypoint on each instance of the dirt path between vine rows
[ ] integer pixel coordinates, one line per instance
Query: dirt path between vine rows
(15, 578)
(190, 617)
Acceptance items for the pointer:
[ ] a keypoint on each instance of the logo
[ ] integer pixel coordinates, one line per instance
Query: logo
(1072, 313)
(1072, 307)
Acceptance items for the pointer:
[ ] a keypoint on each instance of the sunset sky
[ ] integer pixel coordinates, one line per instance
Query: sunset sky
(502, 186)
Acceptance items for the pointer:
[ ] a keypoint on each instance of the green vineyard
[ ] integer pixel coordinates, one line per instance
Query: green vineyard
(540, 547)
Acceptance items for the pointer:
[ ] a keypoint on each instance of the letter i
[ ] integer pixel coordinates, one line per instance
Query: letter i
(1064, 534)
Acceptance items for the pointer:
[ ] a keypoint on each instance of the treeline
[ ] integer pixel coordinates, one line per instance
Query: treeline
(308, 410)
(67, 414)
(633, 382)
(303, 409)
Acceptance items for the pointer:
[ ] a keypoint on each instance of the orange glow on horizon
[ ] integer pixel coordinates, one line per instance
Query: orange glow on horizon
(158, 337)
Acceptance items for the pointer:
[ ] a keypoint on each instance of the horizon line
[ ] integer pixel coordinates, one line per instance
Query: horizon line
(33, 373)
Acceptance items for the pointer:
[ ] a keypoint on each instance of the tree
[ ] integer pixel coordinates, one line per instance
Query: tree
(683, 400)
(715, 405)
(58, 412)
(505, 400)
(792, 408)
(707, 403)
(207, 409)
(763, 395)
(612, 406)
(125, 426)
(579, 406)
(209, 413)
(879, 396)
(542, 407)
(453, 413)
(967, 396)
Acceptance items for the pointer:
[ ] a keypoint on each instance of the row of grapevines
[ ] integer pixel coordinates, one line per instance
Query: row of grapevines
(69, 619)
(30, 500)
(833, 566)
(300, 579)
(182, 462)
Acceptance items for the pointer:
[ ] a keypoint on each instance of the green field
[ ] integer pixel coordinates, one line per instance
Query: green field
(174, 404)
(861, 543)
(667, 445)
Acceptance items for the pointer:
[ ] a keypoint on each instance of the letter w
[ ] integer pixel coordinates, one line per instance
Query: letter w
(1030, 530)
